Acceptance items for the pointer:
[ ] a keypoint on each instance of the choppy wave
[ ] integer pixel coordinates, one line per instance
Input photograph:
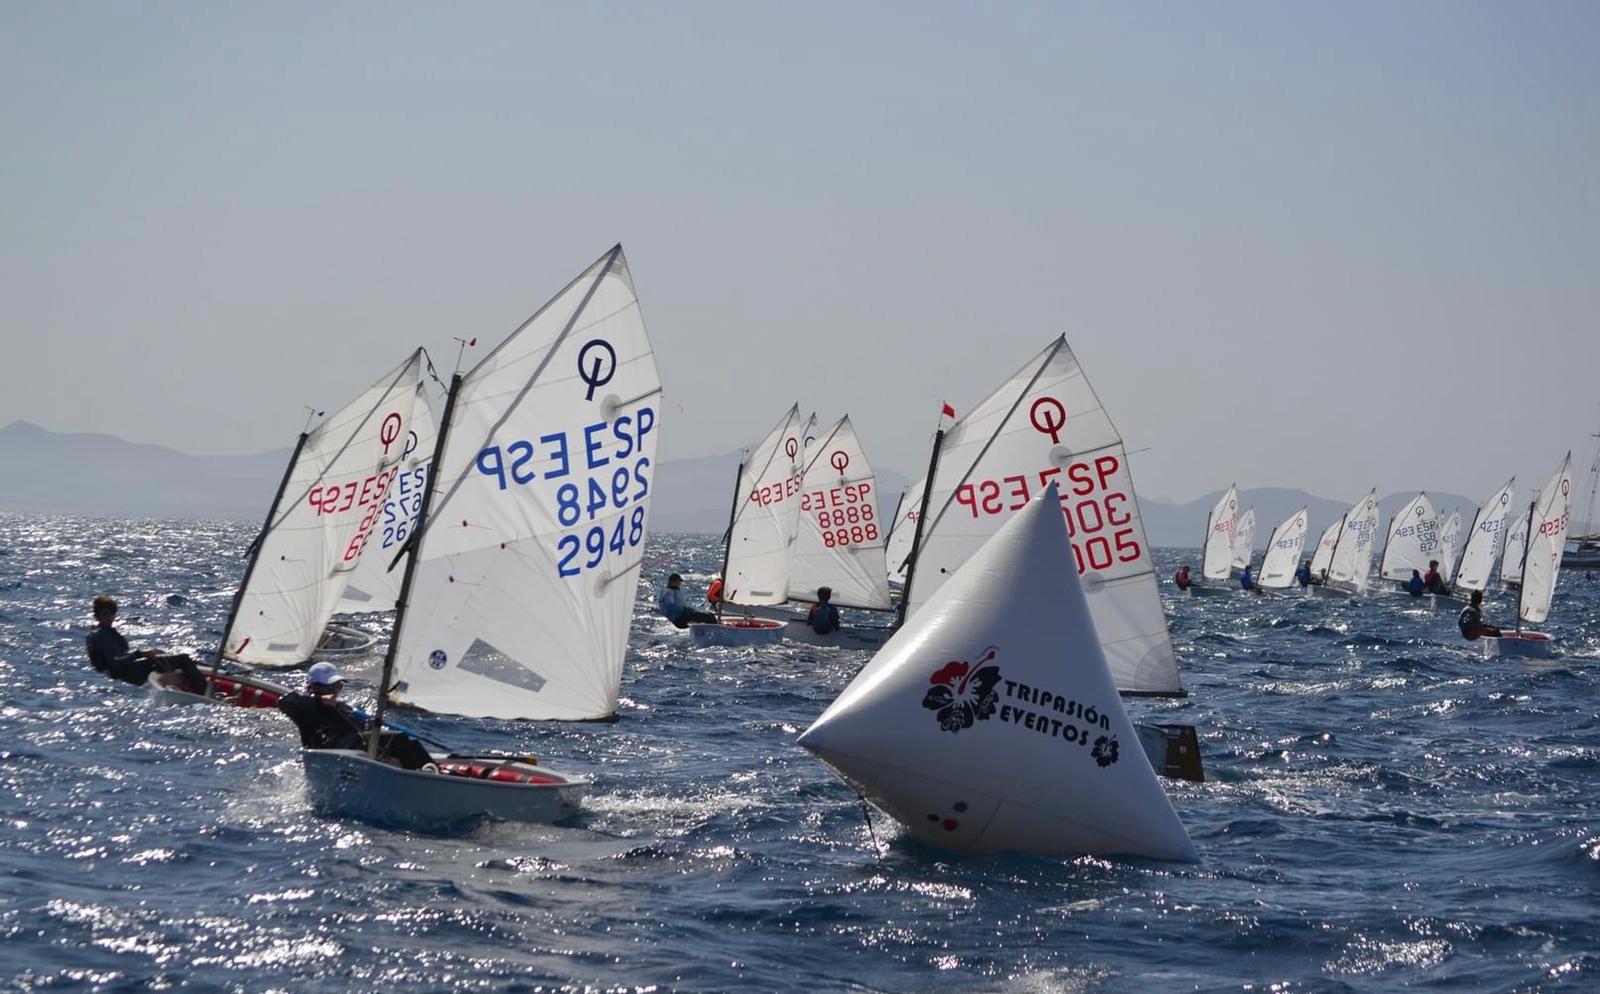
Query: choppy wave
(1386, 810)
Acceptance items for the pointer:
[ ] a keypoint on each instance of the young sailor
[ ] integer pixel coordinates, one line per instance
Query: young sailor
(1247, 581)
(1303, 574)
(823, 617)
(109, 653)
(1471, 622)
(1432, 580)
(1415, 586)
(1182, 579)
(325, 722)
(670, 603)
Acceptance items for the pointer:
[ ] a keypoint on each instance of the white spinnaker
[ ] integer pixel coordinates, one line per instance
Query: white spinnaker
(331, 498)
(1449, 534)
(1547, 538)
(1477, 561)
(1516, 545)
(841, 539)
(1352, 557)
(373, 586)
(766, 518)
(1323, 557)
(1046, 423)
(526, 568)
(1283, 550)
(1000, 671)
(903, 535)
(1220, 527)
(1244, 539)
(1413, 540)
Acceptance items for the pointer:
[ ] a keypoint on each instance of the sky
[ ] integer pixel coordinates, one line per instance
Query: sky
(1327, 246)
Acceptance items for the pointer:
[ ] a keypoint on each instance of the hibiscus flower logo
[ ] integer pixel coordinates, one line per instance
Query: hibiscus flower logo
(964, 692)
(1104, 751)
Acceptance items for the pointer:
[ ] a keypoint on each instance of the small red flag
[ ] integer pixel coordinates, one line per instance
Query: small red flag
(948, 411)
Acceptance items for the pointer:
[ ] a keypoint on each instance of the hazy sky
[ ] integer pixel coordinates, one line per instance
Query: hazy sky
(1327, 246)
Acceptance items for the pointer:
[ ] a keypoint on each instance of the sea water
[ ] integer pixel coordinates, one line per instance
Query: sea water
(1385, 810)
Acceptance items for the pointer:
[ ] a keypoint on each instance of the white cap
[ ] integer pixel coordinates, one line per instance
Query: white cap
(324, 673)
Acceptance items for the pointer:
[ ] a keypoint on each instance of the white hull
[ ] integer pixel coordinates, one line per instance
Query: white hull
(231, 689)
(343, 782)
(845, 638)
(1518, 645)
(1326, 590)
(751, 631)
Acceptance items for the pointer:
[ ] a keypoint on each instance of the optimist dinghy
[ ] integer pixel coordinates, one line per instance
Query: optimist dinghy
(236, 689)
(1244, 539)
(763, 523)
(1488, 525)
(1349, 568)
(1278, 566)
(990, 721)
(538, 495)
(1217, 557)
(1549, 517)
(1413, 541)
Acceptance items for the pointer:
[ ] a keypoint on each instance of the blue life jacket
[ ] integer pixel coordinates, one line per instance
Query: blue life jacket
(1303, 574)
(1415, 587)
(824, 619)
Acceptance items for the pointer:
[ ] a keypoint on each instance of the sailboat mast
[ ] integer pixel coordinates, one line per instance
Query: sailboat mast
(916, 535)
(894, 520)
(418, 532)
(727, 539)
(255, 554)
(1527, 543)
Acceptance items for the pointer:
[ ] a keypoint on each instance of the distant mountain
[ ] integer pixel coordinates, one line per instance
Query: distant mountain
(85, 473)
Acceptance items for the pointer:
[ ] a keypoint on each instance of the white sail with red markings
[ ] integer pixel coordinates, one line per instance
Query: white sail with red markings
(840, 542)
(1220, 526)
(1044, 425)
(1551, 516)
(766, 517)
(376, 581)
(324, 518)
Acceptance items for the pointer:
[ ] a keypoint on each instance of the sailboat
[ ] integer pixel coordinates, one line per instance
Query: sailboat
(1045, 424)
(1349, 569)
(840, 540)
(1449, 536)
(520, 583)
(1322, 558)
(1488, 525)
(1244, 539)
(990, 722)
(1549, 517)
(1413, 541)
(316, 530)
(1216, 562)
(1278, 566)
(763, 524)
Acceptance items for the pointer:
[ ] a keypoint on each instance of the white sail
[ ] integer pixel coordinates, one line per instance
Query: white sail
(1283, 550)
(527, 566)
(1547, 538)
(841, 538)
(766, 517)
(325, 517)
(1413, 540)
(374, 585)
(902, 534)
(1220, 527)
(990, 721)
(1352, 557)
(1449, 534)
(1244, 539)
(1516, 545)
(1323, 557)
(1477, 561)
(1046, 424)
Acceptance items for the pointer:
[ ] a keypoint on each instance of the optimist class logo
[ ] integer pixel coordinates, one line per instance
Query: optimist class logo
(964, 692)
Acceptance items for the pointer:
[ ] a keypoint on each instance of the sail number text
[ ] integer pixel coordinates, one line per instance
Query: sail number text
(1099, 518)
(843, 514)
(366, 494)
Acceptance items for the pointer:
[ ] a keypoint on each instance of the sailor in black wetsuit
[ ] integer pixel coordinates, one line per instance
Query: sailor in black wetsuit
(109, 653)
(1471, 622)
(325, 722)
